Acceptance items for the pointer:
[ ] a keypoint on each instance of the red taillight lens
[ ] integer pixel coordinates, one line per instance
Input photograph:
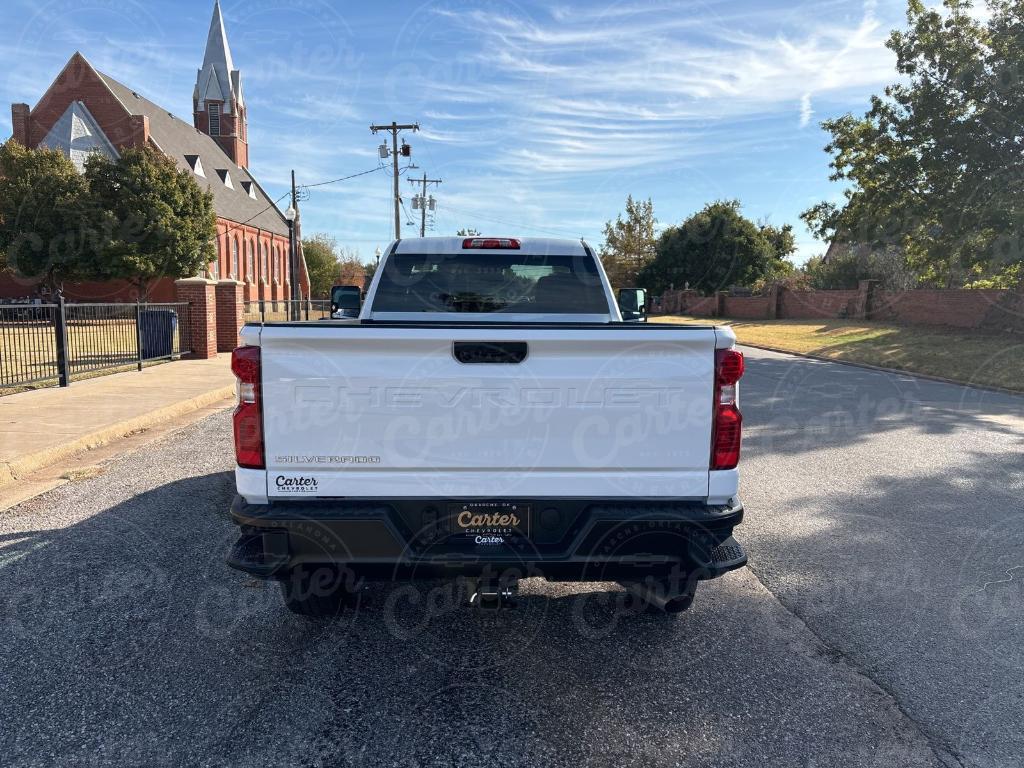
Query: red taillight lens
(248, 415)
(505, 243)
(728, 366)
(726, 432)
(725, 453)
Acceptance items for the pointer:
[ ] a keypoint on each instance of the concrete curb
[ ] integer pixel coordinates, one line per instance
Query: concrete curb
(11, 471)
(869, 366)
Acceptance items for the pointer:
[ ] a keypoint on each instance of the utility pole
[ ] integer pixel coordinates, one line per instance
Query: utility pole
(406, 152)
(291, 215)
(423, 201)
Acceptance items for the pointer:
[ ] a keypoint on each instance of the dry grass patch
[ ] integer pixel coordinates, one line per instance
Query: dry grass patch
(972, 357)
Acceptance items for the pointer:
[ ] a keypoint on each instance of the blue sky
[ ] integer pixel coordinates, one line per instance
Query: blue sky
(540, 118)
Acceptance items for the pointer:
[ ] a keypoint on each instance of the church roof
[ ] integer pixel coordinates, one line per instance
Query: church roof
(218, 79)
(189, 147)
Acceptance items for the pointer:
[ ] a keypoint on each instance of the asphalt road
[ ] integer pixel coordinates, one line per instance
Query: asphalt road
(880, 623)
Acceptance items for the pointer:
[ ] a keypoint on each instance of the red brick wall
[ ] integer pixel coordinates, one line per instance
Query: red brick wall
(687, 302)
(961, 308)
(78, 81)
(703, 307)
(812, 305)
(1006, 313)
(19, 123)
(747, 307)
(233, 138)
(1000, 310)
(258, 282)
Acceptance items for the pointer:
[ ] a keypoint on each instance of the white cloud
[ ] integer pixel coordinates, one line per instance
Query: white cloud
(806, 110)
(634, 85)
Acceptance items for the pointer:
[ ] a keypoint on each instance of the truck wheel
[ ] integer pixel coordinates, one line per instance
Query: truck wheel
(320, 591)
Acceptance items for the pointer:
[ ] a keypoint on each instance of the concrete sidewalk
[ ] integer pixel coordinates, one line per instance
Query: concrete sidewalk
(43, 427)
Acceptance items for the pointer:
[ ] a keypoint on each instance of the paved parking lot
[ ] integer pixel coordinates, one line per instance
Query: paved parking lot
(879, 624)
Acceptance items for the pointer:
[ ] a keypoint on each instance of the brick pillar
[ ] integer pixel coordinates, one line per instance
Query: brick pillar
(866, 290)
(19, 123)
(720, 303)
(230, 308)
(774, 296)
(202, 316)
(687, 298)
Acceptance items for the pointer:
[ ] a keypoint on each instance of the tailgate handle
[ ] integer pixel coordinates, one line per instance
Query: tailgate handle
(490, 351)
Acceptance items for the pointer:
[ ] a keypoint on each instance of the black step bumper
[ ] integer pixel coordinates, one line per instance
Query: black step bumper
(571, 539)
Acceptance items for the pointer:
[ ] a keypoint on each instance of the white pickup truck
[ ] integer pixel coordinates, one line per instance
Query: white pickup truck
(487, 417)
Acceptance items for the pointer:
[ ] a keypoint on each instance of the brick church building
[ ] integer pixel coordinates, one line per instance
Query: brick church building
(86, 111)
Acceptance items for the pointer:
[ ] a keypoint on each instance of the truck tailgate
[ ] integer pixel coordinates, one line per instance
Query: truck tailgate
(388, 411)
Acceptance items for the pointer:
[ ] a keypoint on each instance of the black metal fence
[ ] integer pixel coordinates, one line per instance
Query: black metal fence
(61, 341)
(279, 311)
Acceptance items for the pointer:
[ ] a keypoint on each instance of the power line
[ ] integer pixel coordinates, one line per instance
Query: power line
(273, 204)
(240, 224)
(343, 178)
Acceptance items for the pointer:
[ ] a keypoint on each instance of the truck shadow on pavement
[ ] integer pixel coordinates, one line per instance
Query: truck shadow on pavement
(128, 640)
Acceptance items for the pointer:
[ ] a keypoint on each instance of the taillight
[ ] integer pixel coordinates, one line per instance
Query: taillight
(501, 243)
(728, 423)
(248, 416)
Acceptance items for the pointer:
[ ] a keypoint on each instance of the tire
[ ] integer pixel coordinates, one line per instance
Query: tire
(321, 591)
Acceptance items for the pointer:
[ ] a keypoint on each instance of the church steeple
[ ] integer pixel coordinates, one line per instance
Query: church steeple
(218, 106)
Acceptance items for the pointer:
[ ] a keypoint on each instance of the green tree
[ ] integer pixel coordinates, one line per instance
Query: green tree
(713, 249)
(156, 221)
(46, 232)
(935, 168)
(846, 267)
(782, 239)
(321, 252)
(629, 243)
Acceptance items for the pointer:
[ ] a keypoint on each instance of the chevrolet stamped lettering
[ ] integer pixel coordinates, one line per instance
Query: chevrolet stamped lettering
(490, 410)
(327, 459)
(406, 396)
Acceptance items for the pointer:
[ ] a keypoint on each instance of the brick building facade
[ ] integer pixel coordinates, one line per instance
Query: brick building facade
(86, 111)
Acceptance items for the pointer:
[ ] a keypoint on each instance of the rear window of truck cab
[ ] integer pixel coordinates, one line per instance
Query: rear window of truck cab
(487, 282)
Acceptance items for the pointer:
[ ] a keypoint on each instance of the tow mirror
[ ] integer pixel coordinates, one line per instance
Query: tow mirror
(346, 300)
(633, 304)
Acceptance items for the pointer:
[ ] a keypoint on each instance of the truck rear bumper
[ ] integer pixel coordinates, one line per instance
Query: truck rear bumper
(570, 539)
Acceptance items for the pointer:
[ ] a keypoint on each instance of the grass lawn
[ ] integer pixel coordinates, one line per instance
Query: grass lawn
(971, 357)
(28, 351)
